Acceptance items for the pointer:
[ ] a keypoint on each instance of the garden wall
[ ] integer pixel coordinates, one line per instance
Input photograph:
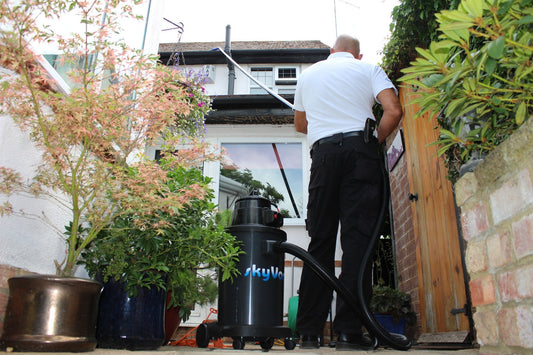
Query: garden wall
(496, 203)
(404, 240)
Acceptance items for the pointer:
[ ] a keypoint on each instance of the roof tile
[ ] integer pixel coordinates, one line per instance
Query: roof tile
(240, 45)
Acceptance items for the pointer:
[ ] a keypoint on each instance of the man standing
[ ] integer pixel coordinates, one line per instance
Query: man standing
(333, 100)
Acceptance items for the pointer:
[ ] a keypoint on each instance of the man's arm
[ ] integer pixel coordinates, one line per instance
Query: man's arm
(300, 121)
(392, 113)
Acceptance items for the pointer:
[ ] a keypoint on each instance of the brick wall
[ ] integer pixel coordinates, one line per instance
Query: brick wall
(6, 272)
(496, 203)
(405, 249)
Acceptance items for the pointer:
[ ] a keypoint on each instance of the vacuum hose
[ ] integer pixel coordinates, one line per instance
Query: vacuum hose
(357, 301)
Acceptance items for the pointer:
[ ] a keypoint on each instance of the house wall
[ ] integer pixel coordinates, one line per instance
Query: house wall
(496, 203)
(219, 86)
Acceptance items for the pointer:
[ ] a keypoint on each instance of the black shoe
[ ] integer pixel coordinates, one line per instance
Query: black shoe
(346, 342)
(309, 342)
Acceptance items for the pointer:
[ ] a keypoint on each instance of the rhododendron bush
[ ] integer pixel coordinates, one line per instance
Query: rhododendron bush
(92, 135)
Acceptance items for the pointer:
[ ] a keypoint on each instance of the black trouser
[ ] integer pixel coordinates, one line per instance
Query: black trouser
(346, 187)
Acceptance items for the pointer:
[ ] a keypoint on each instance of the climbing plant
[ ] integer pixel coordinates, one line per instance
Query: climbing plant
(413, 25)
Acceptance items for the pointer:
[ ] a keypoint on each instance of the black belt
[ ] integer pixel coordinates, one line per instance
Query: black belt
(337, 138)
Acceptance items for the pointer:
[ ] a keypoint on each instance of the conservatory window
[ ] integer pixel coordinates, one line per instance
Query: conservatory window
(274, 170)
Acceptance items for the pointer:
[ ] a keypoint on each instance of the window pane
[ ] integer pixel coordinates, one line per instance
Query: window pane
(273, 169)
(287, 73)
(264, 75)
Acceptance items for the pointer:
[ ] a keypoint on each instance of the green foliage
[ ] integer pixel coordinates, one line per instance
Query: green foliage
(413, 25)
(245, 177)
(477, 76)
(383, 262)
(387, 300)
(182, 255)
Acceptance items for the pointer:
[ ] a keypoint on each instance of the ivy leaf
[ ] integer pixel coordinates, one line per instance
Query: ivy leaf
(496, 47)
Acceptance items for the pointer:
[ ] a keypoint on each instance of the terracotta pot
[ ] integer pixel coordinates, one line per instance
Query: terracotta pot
(51, 313)
(172, 320)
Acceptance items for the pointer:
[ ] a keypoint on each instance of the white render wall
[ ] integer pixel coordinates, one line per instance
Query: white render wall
(242, 82)
(27, 243)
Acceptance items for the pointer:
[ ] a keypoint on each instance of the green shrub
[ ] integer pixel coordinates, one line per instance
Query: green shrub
(181, 252)
(477, 78)
(387, 300)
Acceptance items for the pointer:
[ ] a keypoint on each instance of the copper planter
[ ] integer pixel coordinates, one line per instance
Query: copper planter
(51, 313)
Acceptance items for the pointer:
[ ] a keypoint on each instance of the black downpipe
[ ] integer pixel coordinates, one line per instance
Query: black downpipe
(231, 66)
(357, 301)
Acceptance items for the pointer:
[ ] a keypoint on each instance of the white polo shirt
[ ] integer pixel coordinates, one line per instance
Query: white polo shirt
(337, 94)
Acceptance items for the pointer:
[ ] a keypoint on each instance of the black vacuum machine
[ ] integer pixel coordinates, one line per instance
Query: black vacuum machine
(250, 307)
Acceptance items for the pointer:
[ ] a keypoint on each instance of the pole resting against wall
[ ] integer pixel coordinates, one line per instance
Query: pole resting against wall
(254, 79)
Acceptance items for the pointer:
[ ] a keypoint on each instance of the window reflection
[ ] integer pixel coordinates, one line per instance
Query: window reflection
(273, 169)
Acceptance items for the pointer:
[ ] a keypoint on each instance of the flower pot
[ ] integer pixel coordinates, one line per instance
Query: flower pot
(133, 323)
(51, 313)
(392, 326)
(172, 319)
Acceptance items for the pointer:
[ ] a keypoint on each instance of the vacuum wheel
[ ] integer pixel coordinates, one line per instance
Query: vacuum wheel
(238, 343)
(267, 343)
(289, 343)
(202, 336)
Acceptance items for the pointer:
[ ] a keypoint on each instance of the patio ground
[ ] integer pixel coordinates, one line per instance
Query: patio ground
(251, 349)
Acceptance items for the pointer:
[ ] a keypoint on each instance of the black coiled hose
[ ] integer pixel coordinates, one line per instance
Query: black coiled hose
(357, 301)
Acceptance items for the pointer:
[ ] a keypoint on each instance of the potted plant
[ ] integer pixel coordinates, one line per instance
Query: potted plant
(90, 138)
(182, 257)
(476, 77)
(392, 308)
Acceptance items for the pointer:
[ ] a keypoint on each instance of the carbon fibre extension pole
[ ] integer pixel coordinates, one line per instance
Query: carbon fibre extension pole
(254, 79)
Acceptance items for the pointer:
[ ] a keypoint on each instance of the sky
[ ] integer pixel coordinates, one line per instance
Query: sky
(280, 20)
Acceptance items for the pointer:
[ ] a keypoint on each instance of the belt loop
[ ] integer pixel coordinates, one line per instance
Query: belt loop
(341, 140)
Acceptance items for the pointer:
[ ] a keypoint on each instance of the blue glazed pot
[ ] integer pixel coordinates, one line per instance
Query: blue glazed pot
(132, 323)
(387, 321)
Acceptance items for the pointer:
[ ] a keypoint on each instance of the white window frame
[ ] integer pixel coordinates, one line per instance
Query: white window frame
(253, 85)
(277, 83)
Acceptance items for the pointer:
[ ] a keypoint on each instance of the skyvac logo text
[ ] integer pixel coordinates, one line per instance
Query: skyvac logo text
(264, 273)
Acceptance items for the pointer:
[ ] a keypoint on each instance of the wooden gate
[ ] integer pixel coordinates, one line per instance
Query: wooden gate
(439, 262)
